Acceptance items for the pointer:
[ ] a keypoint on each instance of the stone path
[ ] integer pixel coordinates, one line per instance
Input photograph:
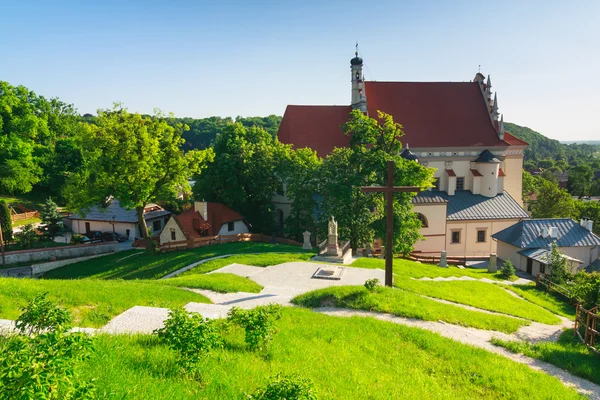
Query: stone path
(478, 338)
(519, 281)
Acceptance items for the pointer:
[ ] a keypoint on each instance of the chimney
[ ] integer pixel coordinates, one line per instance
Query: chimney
(202, 208)
(553, 232)
(587, 224)
(544, 232)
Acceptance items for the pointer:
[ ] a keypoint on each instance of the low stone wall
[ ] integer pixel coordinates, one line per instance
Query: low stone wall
(59, 253)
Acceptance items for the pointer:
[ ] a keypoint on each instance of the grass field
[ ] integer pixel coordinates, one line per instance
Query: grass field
(26, 221)
(482, 295)
(223, 283)
(548, 301)
(148, 266)
(92, 302)
(406, 304)
(256, 260)
(357, 358)
(567, 353)
(31, 201)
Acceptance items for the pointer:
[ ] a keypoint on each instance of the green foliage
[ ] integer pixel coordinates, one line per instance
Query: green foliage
(52, 225)
(258, 323)
(218, 282)
(507, 270)
(557, 264)
(77, 238)
(580, 180)
(5, 222)
(553, 202)
(190, 335)
(372, 284)
(41, 361)
(548, 300)
(586, 288)
(589, 210)
(288, 387)
(27, 238)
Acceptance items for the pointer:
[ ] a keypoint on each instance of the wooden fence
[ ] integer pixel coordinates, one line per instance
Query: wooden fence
(550, 286)
(587, 321)
(211, 240)
(25, 215)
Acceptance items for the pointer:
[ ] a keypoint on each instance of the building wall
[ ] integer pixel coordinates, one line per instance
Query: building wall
(508, 252)
(78, 226)
(587, 254)
(468, 245)
(435, 233)
(150, 225)
(238, 227)
(165, 235)
(513, 181)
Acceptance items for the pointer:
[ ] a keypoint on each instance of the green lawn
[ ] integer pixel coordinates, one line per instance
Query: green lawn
(357, 358)
(147, 266)
(92, 302)
(26, 221)
(482, 295)
(256, 260)
(406, 304)
(567, 353)
(224, 283)
(30, 200)
(549, 301)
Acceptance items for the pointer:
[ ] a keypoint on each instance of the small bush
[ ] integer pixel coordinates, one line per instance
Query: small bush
(190, 335)
(40, 361)
(27, 237)
(259, 324)
(507, 270)
(77, 239)
(286, 387)
(372, 284)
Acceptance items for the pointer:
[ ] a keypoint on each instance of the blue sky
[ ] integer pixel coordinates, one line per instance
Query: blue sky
(198, 59)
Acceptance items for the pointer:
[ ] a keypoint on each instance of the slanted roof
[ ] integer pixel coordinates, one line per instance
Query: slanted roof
(513, 140)
(527, 234)
(464, 205)
(486, 157)
(191, 223)
(429, 197)
(120, 213)
(542, 255)
(219, 214)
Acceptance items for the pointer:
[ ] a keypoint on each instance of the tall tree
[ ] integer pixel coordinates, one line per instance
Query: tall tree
(51, 220)
(135, 159)
(5, 221)
(553, 202)
(580, 180)
(590, 210)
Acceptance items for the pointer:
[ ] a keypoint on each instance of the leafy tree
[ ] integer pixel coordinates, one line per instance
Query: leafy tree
(590, 210)
(5, 221)
(557, 264)
(553, 202)
(531, 184)
(245, 174)
(135, 159)
(580, 180)
(546, 164)
(51, 220)
(27, 237)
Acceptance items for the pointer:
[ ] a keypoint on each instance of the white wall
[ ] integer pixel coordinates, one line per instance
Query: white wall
(513, 181)
(78, 226)
(165, 235)
(238, 227)
(435, 233)
(468, 245)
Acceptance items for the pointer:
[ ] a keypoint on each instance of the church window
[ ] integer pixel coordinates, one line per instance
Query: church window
(460, 183)
(481, 236)
(455, 236)
(280, 189)
(423, 220)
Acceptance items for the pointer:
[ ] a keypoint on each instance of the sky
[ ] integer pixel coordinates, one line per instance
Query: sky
(252, 58)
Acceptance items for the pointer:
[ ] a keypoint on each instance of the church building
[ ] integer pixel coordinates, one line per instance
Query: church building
(454, 127)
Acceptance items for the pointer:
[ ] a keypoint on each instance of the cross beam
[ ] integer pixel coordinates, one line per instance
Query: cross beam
(389, 191)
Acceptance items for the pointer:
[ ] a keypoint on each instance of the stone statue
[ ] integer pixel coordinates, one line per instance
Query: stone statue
(306, 245)
(332, 238)
(333, 226)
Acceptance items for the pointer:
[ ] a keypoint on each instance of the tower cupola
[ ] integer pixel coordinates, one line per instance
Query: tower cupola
(359, 99)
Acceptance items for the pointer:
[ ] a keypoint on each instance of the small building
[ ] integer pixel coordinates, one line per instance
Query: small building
(528, 243)
(114, 218)
(204, 219)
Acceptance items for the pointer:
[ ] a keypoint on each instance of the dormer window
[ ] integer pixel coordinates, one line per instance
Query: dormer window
(460, 183)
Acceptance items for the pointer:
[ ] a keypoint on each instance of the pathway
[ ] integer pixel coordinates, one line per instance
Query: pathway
(519, 281)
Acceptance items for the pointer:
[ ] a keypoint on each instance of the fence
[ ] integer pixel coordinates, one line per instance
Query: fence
(452, 260)
(25, 215)
(212, 240)
(554, 287)
(587, 320)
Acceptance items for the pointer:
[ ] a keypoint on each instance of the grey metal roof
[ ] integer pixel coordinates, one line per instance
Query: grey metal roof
(120, 214)
(464, 205)
(542, 255)
(486, 157)
(527, 234)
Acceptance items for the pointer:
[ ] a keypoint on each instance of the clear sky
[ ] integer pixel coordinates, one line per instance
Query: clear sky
(252, 58)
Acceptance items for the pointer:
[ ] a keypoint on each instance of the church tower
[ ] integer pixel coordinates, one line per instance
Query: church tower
(359, 99)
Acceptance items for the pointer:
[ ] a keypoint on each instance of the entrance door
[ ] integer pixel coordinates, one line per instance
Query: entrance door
(87, 227)
(529, 266)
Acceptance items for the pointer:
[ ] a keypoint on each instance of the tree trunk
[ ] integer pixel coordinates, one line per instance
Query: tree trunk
(144, 228)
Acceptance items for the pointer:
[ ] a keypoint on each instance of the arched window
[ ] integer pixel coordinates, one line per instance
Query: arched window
(424, 223)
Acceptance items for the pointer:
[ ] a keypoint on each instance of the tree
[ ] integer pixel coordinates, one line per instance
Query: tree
(580, 180)
(27, 237)
(553, 202)
(590, 210)
(135, 159)
(531, 184)
(51, 220)
(5, 222)
(546, 164)
(245, 174)
(557, 264)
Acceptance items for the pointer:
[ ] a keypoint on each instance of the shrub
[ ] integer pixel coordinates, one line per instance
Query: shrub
(77, 239)
(507, 270)
(5, 222)
(286, 387)
(586, 288)
(51, 220)
(258, 323)
(27, 237)
(190, 335)
(372, 284)
(40, 360)
(557, 265)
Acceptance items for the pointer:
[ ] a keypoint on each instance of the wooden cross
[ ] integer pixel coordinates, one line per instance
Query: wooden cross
(389, 191)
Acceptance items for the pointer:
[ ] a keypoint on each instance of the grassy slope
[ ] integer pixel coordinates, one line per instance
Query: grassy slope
(92, 302)
(26, 221)
(224, 283)
(481, 295)
(144, 266)
(356, 358)
(546, 300)
(256, 260)
(568, 353)
(406, 304)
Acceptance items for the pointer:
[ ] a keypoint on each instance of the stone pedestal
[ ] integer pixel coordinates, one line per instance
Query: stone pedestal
(306, 245)
(493, 265)
(443, 259)
(332, 245)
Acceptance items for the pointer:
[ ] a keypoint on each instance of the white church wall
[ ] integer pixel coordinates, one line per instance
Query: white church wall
(462, 169)
(489, 184)
(468, 245)
(513, 181)
(435, 232)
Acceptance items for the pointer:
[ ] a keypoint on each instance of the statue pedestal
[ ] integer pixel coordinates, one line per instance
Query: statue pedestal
(332, 245)
(306, 245)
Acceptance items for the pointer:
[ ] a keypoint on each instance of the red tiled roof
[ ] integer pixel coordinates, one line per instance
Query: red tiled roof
(192, 223)
(317, 127)
(501, 173)
(476, 173)
(219, 214)
(450, 172)
(513, 140)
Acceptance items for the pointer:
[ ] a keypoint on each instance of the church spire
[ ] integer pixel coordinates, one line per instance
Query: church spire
(359, 99)
(501, 128)
(495, 107)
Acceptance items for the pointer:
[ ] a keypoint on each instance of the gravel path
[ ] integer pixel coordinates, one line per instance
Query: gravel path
(477, 338)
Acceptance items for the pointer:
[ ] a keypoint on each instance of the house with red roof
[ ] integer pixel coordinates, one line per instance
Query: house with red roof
(204, 219)
(454, 127)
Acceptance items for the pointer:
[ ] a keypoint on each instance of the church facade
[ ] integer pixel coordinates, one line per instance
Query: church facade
(454, 127)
